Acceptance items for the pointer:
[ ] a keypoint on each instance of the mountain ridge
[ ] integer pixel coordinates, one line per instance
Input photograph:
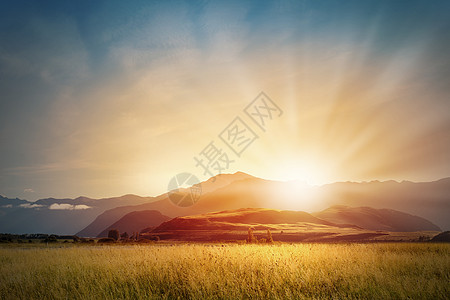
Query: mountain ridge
(430, 200)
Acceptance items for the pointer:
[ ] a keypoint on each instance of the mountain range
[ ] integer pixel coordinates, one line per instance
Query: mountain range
(347, 202)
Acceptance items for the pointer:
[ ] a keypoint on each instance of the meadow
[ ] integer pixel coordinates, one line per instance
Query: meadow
(226, 271)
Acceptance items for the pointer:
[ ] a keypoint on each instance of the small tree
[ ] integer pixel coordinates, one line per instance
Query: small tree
(251, 237)
(269, 237)
(114, 234)
(154, 238)
(124, 236)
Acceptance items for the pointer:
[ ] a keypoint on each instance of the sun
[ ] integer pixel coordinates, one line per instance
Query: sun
(308, 172)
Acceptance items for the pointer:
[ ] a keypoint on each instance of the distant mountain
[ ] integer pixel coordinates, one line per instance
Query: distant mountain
(136, 221)
(376, 219)
(430, 200)
(284, 226)
(164, 205)
(59, 216)
(10, 203)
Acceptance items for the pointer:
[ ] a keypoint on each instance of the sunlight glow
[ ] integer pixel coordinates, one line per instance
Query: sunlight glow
(308, 172)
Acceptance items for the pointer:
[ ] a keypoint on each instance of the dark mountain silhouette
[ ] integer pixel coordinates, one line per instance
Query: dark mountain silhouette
(375, 219)
(9, 203)
(136, 221)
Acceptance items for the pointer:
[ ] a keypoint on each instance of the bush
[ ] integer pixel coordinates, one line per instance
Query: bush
(154, 238)
(50, 239)
(144, 241)
(114, 234)
(124, 236)
(251, 238)
(423, 238)
(106, 240)
(269, 237)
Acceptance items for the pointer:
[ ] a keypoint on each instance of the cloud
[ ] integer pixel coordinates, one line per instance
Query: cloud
(29, 205)
(28, 191)
(66, 206)
(7, 206)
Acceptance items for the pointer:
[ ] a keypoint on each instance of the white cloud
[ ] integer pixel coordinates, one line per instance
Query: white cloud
(29, 205)
(28, 191)
(66, 206)
(81, 206)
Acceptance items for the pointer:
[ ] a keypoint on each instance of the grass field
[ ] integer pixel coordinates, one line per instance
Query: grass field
(370, 271)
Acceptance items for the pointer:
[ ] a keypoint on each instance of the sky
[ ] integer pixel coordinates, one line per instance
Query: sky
(105, 98)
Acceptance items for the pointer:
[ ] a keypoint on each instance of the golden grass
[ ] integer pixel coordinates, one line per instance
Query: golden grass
(371, 271)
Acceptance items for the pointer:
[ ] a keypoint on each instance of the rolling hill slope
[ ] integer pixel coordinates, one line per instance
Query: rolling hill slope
(376, 219)
(136, 221)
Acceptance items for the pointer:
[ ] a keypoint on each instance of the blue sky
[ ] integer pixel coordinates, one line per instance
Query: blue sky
(102, 98)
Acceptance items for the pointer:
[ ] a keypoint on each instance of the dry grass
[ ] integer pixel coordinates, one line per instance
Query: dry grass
(371, 271)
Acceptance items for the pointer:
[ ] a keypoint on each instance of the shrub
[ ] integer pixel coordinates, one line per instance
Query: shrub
(144, 241)
(50, 239)
(154, 238)
(106, 240)
(114, 234)
(251, 238)
(269, 237)
(423, 238)
(124, 236)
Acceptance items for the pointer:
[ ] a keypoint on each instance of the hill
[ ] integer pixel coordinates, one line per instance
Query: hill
(89, 216)
(164, 205)
(285, 226)
(430, 200)
(376, 219)
(443, 237)
(135, 221)
(233, 191)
